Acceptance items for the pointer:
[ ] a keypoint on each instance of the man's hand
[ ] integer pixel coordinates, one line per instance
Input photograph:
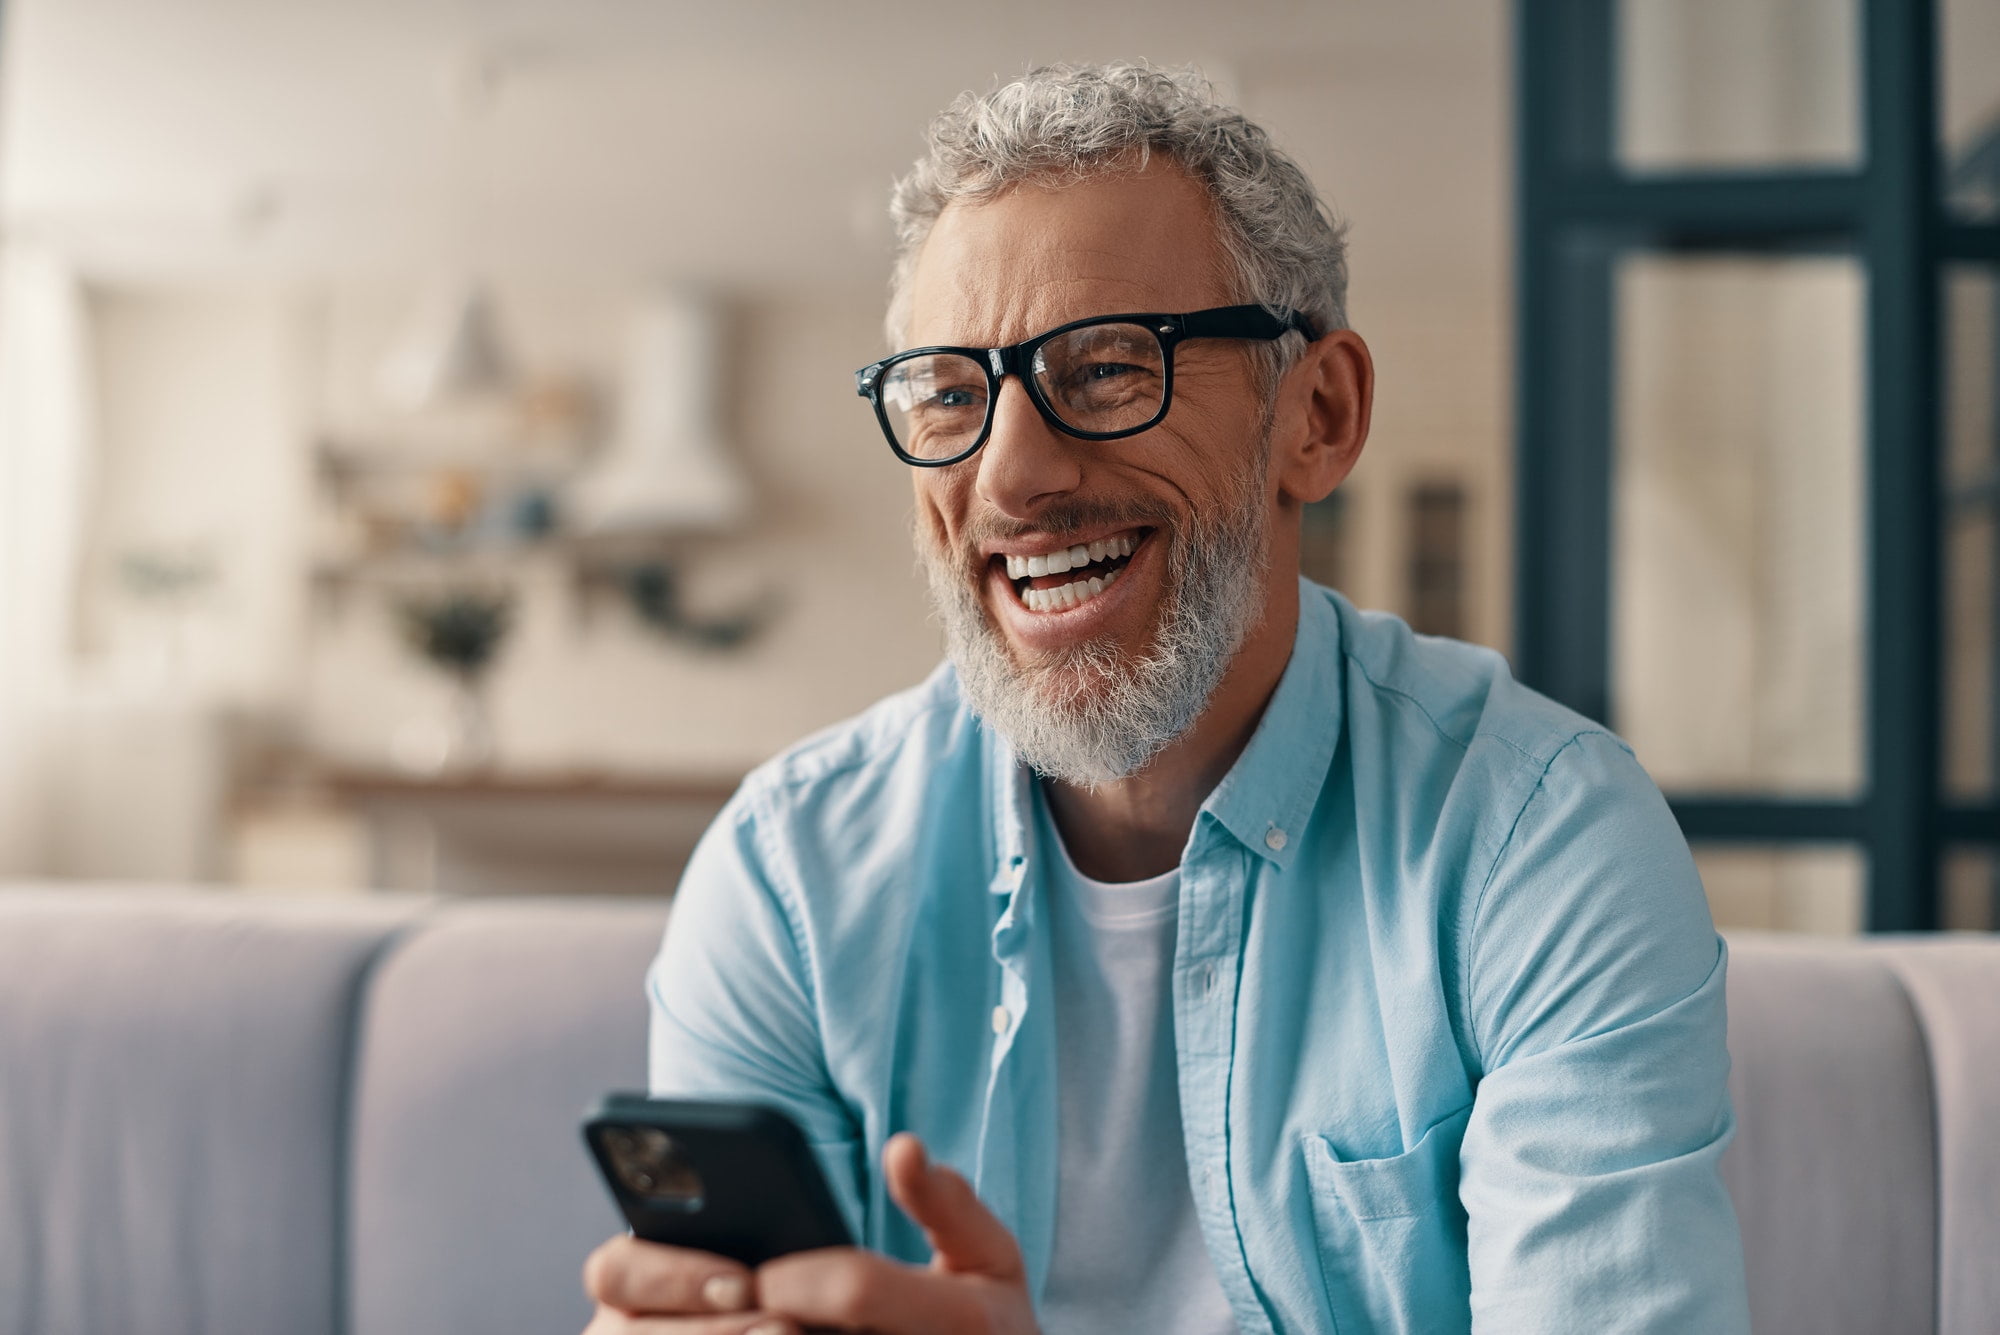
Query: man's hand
(645, 1287)
(976, 1282)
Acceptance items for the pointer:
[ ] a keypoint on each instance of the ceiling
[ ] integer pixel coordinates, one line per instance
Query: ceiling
(748, 143)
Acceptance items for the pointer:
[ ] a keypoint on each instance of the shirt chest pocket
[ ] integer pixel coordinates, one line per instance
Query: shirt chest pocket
(1391, 1235)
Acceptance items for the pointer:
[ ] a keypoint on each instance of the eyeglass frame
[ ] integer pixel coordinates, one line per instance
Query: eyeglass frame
(1252, 322)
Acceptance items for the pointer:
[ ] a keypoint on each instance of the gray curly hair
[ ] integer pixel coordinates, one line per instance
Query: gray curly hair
(1071, 122)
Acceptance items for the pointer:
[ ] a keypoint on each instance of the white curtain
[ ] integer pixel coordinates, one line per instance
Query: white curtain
(45, 457)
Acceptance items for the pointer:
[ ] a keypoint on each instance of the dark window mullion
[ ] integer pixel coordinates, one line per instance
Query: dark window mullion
(1735, 207)
(1900, 242)
(1971, 823)
(1564, 53)
(1739, 819)
(1975, 242)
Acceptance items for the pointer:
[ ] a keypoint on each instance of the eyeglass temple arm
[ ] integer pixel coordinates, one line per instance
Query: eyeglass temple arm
(1246, 322)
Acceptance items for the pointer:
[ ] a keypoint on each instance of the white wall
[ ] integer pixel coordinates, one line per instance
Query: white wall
(582, 684)
(258, 197)
(45, 434)
(199, 458)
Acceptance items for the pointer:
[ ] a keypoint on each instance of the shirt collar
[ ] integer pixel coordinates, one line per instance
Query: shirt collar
(1268, 793)
(1271, 790)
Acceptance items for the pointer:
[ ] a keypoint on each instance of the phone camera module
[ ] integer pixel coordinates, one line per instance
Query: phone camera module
(652, 1166)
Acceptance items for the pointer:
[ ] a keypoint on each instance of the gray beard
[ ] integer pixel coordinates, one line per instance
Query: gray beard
(1089, 715)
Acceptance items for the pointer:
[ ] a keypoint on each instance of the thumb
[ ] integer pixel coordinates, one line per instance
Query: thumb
(965, 1236)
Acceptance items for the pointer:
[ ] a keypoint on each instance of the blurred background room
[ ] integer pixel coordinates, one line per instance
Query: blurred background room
(431, 476)
(429, 459)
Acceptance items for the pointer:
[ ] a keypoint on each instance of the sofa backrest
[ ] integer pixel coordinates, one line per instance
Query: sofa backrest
(1954, 985)
(222, 1114)
(484, 1038)
(173, 1093)
(1833, 1166)
(1866, 1165)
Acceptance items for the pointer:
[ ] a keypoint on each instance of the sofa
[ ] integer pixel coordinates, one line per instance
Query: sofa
(226, 1113)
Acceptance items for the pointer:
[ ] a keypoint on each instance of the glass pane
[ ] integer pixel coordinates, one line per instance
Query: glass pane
(1969, 70)
(1738, 83)
(1971, 898)
(1971, 738)
(1738, 523)
(1816, 888)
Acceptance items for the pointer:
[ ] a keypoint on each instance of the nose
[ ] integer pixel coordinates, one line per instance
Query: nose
(1025, 462)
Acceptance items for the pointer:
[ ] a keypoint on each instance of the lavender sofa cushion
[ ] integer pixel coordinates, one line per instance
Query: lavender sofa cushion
(173, 1087)
(484, 1039)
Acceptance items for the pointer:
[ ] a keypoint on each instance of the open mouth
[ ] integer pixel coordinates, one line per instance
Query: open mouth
(1068, 577)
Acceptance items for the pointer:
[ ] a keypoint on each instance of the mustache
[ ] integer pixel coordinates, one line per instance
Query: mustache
(1060, 520)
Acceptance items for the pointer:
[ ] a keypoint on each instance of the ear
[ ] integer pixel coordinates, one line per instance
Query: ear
(1321, 420)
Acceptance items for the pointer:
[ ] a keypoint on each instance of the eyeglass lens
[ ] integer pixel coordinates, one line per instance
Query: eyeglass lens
(1101, 378)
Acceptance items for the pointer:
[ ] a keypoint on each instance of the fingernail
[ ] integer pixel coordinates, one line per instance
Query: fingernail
(767, 1328)
(726, 1293)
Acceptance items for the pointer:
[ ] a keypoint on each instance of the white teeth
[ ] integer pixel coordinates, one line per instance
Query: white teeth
(1077, 592)
(1066, 559)
(1065, 596)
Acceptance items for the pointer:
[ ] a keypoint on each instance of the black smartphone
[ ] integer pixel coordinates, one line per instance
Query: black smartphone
(737, 1179)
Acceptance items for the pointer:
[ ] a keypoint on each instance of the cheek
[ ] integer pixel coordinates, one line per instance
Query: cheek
(937, 509)
(1212, 465)
(1213, 448)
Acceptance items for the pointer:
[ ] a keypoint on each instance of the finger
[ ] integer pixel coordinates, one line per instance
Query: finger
(963, 1233)
(854, 1289)
(646, 1277)
(611, 1321)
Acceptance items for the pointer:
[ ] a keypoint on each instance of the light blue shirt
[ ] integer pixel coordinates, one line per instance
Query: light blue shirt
(1448, 1003)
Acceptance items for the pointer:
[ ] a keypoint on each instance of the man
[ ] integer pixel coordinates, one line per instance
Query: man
(1192, 953)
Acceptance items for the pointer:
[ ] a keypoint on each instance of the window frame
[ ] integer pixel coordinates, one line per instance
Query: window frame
(1578, 213)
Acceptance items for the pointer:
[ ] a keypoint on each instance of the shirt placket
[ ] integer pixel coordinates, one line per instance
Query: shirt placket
(1208, 953)
(1015, 1176)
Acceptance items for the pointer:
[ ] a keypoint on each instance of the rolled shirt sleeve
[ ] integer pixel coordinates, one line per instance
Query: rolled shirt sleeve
(733, 1011)
(1595, 985)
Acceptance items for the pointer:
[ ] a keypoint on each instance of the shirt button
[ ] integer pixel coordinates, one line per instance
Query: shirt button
(1001, 1019)
(1207, 977)
(1274, 838)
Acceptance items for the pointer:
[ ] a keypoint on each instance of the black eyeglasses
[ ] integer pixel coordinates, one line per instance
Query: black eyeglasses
(1096, 379)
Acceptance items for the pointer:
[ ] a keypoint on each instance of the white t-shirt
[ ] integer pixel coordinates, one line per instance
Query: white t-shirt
(1128, 1253)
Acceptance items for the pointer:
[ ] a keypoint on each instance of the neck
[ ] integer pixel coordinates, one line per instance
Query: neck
(1137, 826)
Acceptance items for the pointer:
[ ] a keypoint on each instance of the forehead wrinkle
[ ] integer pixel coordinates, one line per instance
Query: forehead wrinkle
(1025, 305)
(998, 270)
